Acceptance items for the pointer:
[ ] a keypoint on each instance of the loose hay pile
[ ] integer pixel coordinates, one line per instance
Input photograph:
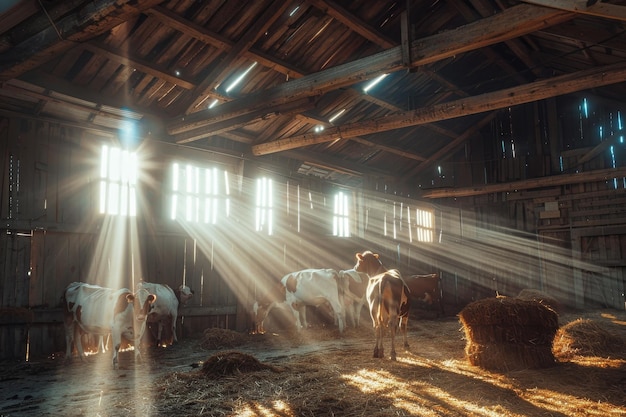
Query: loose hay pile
(214, 338)
(232, 362)
(584, 337)
(505, 334)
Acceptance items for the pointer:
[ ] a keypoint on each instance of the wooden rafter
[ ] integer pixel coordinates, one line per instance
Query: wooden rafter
(552, 181)
(513, 22)
(598, 8)
(93, 19)
(539, 90)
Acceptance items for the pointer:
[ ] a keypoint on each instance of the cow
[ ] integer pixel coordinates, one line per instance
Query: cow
(100, 311)
(354, 295)
(165, 307)
(264, 303)
(388, 299)
(313, 287)
(425, 288)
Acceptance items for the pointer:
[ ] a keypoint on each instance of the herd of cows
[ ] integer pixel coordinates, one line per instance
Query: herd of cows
(95, 310)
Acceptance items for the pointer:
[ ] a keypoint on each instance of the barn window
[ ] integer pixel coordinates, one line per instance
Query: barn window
(264, 206)
(199, 195)
(341, 215)
(424, 225)
(118, 182)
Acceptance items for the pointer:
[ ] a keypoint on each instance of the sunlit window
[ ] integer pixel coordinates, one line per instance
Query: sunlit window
(341, 215)
(264, 206)
(424, 225)
(199, 195)
(118, 182)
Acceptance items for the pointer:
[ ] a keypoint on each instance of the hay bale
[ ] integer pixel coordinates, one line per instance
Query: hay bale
(540, 297)
(584, 337)
(214, 338)
(232, 362)
(506, 334)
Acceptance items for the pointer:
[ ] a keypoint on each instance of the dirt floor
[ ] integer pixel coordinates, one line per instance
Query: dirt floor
(318, 373)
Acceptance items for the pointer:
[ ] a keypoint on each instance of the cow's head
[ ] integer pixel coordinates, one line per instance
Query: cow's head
(184, 294)
(142, 303)
(368, 263)
(260, 310)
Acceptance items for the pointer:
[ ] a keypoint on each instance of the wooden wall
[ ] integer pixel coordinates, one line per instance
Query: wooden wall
(568, 240)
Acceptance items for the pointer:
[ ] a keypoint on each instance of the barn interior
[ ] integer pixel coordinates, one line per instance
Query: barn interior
(221, 144)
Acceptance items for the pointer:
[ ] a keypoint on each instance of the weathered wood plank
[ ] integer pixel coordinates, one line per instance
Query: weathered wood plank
(538, 90)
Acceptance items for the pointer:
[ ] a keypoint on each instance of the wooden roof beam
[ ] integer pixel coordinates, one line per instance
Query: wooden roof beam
(93, 19)
(551, 181)
(552, 87)
(342, 15)
(513, 22)
(598, 9)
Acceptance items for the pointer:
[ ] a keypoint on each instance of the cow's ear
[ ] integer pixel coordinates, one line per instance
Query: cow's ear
(376, 255)
(130, 298)
(151, 298)
(359, 256)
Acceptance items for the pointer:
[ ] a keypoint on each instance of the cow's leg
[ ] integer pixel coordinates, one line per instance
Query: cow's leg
(403, 325)
(339, 315)
(174, 318)
(79, 343)
(116, 339)
(137, 340)
(69, 336)
(303, 320)
(101, 348)
(295, 309)
(379, 351)
(392, 329)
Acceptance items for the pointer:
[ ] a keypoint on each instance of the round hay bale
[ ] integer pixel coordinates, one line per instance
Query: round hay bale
(584, 337)
(232, 362)
(505, 334)
(540, 297)
(215, 338)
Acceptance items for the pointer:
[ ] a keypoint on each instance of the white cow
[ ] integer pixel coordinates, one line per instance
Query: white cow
(97, 310)
(354, 285)
(165, 308)
(312, 287)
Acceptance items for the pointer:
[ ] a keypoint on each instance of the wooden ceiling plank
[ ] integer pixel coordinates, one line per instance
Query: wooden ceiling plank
(538, 90)
(90, 21)
(139, 64)
(342, 15)
(513, 22)
(215, 77)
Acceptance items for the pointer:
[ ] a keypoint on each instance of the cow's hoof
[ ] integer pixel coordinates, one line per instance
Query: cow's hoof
(406, 346)
(393, 356)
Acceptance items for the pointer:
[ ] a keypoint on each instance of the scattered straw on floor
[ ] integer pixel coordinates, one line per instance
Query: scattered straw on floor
(232, 363)
(214, 338)
(584, 337)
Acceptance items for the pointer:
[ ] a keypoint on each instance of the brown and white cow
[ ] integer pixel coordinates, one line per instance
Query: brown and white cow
(165, 307)
(100, 311)
(388, 299)
(425, 288)
(308, 287)
(354, 289)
